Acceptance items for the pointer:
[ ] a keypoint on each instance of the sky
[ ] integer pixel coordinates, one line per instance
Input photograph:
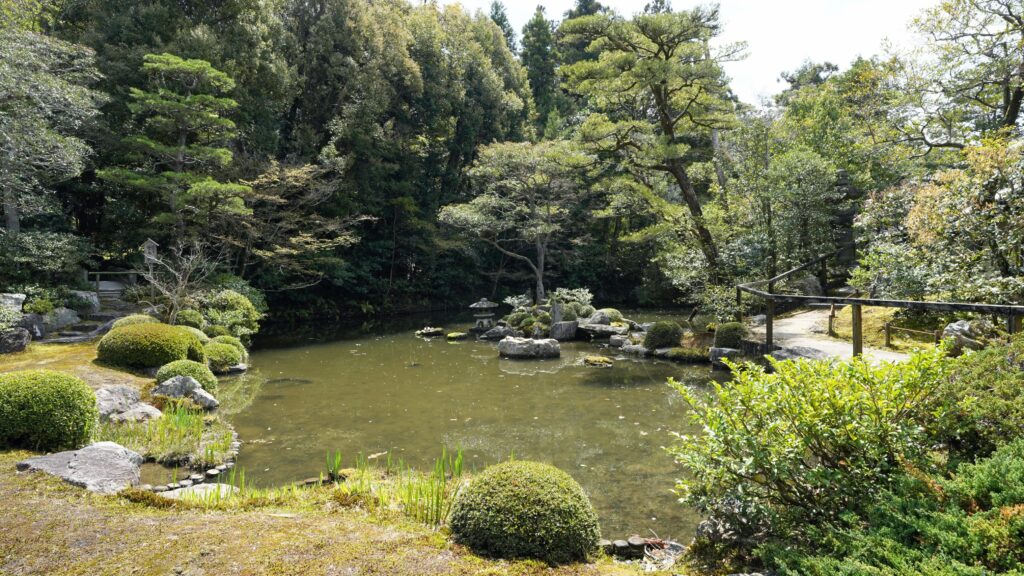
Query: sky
(780, 34)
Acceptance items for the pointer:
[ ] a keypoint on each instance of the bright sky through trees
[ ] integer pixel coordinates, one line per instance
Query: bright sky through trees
(781, 34)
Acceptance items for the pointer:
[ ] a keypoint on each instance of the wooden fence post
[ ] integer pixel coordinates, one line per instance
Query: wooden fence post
(858, 330)
(769, 319)
(888, 336)
(739, 305)
(1011, 324)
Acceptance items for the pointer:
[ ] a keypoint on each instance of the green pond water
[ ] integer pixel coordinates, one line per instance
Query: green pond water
(394, 392)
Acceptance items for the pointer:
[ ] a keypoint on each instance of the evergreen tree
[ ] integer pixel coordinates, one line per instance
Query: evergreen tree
(500, 18)
(538, 55)
(572, 51)
(182, 142)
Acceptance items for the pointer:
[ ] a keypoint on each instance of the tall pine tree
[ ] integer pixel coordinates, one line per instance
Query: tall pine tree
(538, 56)
(500, 17)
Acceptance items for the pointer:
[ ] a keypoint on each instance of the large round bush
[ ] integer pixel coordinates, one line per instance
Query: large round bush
(149, 345)
(526, 510)
(133, 319)
(45, 410)
(195, 332)
(232, 341)
(233, 311)
(663, 334)
(190, 317)
(196, 370)
(222, 356)
(730, 335)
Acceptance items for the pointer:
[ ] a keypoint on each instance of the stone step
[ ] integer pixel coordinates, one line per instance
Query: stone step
(101, 317)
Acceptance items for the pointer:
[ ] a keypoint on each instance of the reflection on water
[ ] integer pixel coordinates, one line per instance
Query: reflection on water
(398, 393)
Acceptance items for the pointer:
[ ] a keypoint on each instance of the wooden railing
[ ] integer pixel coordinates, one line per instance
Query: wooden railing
(1010, 312)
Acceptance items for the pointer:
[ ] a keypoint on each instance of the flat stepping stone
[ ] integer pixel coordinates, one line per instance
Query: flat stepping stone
(104, 467)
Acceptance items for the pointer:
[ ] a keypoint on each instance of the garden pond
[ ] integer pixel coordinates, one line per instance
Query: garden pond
(384, 391)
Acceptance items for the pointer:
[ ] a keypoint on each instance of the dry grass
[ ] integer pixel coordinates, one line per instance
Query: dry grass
(874, 319)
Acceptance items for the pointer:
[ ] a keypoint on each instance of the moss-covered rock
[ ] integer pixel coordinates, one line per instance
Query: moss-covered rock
(599, 361)
(686, 355)
(663, 334)
(613, 314)
(453, 336)
(201, 373)
(149, 345)
(46, 410)
(525, 509)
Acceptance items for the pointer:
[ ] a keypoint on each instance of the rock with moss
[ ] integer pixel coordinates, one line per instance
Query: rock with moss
(103, 467)
(598, 361)
(525, 509)
(684, 355)
(430, 332)
(456, 336)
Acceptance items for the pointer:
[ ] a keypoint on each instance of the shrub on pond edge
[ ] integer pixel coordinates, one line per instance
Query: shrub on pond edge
(222, 356)
(523, 509)
(663, 334)
(46, 410)
(149, 345)
(197, 370)
(730, 335)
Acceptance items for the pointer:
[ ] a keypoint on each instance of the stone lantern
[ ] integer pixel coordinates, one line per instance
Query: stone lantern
(484, 314)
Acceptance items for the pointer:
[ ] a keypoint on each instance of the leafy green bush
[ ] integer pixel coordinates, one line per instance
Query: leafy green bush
(586, 311)
(134, 319)
(231, 340)
(197, 370)
(45, 410)
(199, 334)
(803, 445)
(233, 311)
(613, 314)
(42, 305)
(214, 331)
(730, 335)
(9, 318)
(190, 317)
(986, 390)
(515, 319)
(526, 510)
(149, 345)
(574, 296)
(663, 334)
(543, 317)
(222, 356)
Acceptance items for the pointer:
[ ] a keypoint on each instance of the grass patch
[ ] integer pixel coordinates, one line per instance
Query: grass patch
(182, 436)
(874, 319)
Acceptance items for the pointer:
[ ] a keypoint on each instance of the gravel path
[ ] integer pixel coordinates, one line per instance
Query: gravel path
(809, 329)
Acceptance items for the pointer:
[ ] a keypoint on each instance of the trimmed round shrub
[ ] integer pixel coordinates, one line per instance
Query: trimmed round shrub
(586, 311)
(214, 330)
(613, 314)
(663, 334)
(516, 318)
(189, 317)
(134, 319)
(232, 341)
(525, 509)
(46, 410)
(543, 317)
(196, 370)
(730, 335)
(149, 345)
(222, 356)
(233, 311)
(195, 332)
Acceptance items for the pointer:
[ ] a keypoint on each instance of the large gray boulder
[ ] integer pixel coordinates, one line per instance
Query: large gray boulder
(121, 404)
(715, 355)
(563, 331)
(964, 335)
(499, 332)
(60, 318)
(186, 387)
(618, 340)
(600, 331)
(528, 348)
(635, 349)
(103, 467)
(34, 324)
(599, 317)
(12, 301)
(799, 353)
(90, 300)
(14, 340)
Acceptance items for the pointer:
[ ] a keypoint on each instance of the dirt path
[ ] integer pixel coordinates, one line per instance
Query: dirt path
(809, 328)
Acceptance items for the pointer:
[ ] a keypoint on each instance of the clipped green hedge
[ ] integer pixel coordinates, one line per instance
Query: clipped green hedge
(149, 345)
(663, 334)
(190, 317)
(134, 319)
(730, 335)
(222, 356)
(232, 341)
(525, 509)
(46, 410)
(196, 370)
(214, 330)
(195, 332)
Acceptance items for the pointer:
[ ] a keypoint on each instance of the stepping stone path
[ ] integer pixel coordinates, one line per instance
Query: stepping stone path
(104, 467)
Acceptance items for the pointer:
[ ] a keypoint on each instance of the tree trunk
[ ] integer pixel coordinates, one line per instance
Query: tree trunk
(542, 249)
(11, 220)
(716, 148)
(704, 238)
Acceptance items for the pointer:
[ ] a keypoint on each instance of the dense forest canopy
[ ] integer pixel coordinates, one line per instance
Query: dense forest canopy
(352, 157)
